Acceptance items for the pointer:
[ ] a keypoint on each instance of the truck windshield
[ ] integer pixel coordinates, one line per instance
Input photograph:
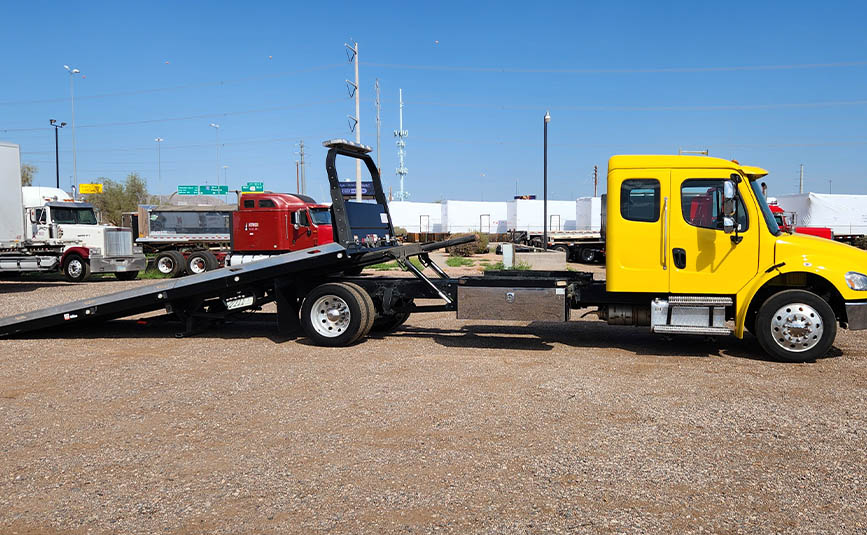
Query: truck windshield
(73, 216)
(321, 216)
(766, 211)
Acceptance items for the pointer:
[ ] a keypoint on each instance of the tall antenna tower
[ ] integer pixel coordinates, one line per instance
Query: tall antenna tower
(400, 134)
(801, 180)
(355, 122)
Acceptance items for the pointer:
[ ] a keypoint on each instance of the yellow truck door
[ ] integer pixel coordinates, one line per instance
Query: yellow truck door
(635, 222)
(703, 258)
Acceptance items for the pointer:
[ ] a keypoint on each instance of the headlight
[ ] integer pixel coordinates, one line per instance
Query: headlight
(856, 281)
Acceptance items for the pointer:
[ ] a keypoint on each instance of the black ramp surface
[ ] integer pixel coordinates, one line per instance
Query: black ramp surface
(322, 259)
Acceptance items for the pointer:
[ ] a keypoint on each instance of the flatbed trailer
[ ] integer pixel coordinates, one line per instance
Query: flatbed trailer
(793, 312)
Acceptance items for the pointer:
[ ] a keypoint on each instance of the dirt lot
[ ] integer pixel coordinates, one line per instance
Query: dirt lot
(444, 426)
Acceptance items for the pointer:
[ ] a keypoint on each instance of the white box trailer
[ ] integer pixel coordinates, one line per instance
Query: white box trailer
(474, 216)
(417, 216)
(529, 215)
(588, 213)
(11, 203)
(845, 215)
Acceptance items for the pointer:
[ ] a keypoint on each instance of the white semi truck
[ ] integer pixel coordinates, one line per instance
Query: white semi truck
(44, 229)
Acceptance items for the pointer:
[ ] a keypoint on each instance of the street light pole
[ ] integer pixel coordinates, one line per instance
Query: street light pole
(72, 73)
(216, 128)
(545, 184)
(159, 141)
(56, 149)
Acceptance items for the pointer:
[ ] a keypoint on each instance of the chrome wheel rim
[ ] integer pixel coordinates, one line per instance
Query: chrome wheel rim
(330, 316)
(797, 327)
(197, 265)
(165, 265)
(75, 268)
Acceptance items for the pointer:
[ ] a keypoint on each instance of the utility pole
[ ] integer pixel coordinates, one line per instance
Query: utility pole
(159, 142)
(595, 178)
(378, 127)
(56, 126)
(297, 178)
(357, 118)
(829, 186)
(216, 128)
(545, 184)
(801, 180)
(303, 175)
(400, 134)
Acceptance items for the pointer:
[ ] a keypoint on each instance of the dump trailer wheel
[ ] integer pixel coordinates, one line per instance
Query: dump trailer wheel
(796, 326)
(76, 268)
(367, 302)
(200, 262)
(171, 263)
(126, 275)
(587, 255)
(334, 315)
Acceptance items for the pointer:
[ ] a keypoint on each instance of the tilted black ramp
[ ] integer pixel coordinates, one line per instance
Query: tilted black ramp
(322, 260)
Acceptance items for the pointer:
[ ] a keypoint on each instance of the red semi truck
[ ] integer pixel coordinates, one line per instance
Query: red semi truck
(263, 224)
(786, 222)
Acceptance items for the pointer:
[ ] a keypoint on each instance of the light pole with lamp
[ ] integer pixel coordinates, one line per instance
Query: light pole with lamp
(216, 128)
(56, 150)
(72, 72)
(159, 142)
(545, 185)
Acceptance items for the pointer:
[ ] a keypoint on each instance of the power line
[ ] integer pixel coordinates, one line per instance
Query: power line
(519, 70)
(721, 107)
(176, 87)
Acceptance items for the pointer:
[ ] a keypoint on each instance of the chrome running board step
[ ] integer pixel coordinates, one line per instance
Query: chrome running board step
(699, 301)
(689, 329)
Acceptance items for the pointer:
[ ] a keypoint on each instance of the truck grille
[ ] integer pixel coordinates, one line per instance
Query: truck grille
(118, 242)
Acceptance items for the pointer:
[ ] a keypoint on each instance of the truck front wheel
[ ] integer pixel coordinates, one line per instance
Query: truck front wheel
(334, 315)
(587, 255)
(796, 326)
(76, 268)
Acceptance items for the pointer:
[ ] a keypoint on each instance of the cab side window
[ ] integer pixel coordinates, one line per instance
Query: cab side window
(639, 199)
(266, 203)
(303, 220)
(249, 203)
(701, 201)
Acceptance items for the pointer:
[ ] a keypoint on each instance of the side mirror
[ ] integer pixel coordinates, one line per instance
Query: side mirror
(728, 225)
(32, 216)
(729, 198)
(296, 226)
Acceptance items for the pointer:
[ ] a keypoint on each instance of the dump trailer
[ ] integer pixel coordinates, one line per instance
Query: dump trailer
(692, 249)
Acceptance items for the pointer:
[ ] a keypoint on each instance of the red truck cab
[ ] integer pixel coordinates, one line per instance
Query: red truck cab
(268, 223)
(785, 221)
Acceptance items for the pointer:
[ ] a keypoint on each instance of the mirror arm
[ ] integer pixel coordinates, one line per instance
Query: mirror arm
(737, 238)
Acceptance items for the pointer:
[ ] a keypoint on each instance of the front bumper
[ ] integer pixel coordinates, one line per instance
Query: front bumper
(856, 315)
(103, 264)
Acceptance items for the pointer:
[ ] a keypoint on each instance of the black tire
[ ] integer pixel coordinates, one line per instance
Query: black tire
(126, 275)
(171, 264)
(367, 302)
(200, 262)
(587, 255)
(342, 318)
(796, 326)
(76, 268)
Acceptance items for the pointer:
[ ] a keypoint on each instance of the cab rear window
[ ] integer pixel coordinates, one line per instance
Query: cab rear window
(639, 199)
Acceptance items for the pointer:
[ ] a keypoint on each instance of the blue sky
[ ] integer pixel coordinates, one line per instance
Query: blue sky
(773, 84)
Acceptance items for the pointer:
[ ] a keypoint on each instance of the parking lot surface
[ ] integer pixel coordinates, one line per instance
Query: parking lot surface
(443, 426)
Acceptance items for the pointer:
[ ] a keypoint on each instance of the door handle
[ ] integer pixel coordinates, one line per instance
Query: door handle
(665, 233)
(678, 256)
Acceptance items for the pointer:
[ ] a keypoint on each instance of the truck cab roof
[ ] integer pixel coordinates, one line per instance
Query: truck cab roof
(670, 161)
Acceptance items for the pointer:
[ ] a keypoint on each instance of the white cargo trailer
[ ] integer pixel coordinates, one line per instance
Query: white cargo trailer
(845, 215)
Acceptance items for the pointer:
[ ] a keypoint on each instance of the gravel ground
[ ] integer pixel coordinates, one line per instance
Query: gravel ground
(444, 426)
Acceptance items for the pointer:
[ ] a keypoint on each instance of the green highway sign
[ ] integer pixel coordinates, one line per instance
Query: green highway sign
(258, 185)
(252, 188)
(188, 190)
(213, 190)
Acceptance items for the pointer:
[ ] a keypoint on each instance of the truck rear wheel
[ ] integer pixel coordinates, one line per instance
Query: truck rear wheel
(171, 263)
(200, 262)
(796, 326)
(334, 314)
(76, 268)
(587, 255)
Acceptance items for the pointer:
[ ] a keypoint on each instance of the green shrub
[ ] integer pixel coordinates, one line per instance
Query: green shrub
(520, 266)
(458, 261)
(480, 246)
(400, 232)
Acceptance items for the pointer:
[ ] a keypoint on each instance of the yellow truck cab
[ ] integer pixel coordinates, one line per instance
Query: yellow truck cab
(694, 235)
